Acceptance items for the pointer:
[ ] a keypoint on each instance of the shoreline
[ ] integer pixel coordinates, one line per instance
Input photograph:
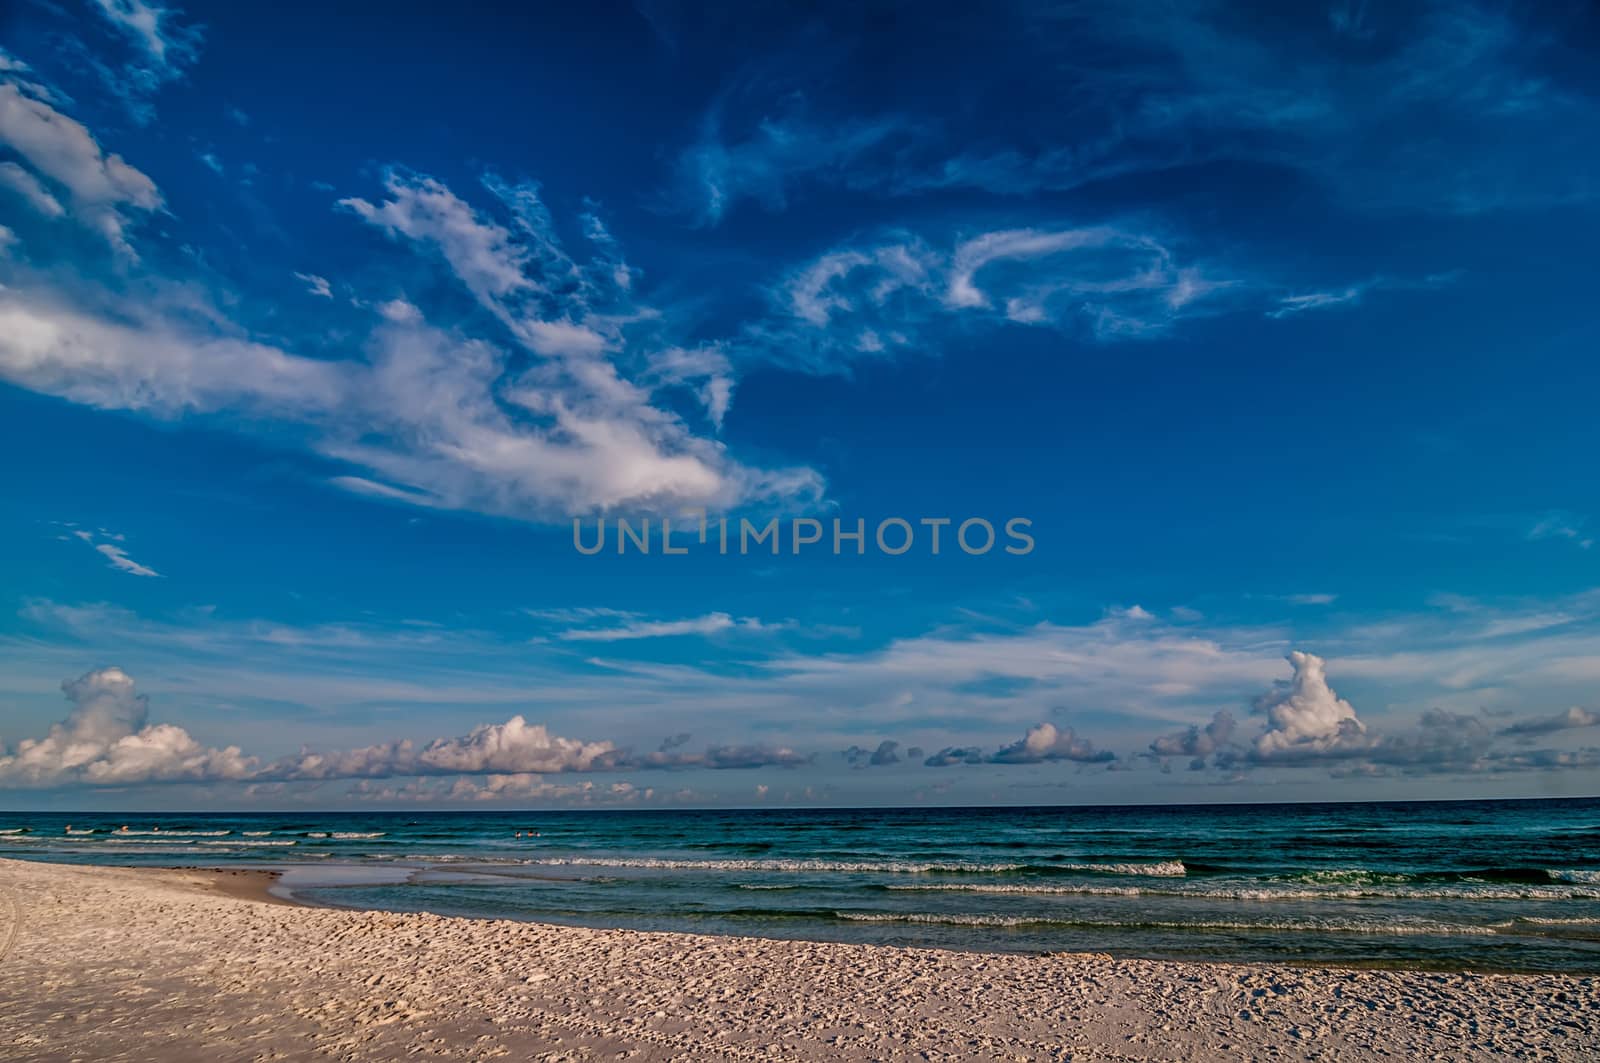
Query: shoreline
(245, 884)
(256, 884)
(264, 885)
(148, 963)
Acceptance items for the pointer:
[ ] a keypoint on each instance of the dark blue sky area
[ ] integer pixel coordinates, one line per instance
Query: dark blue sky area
(321, 323)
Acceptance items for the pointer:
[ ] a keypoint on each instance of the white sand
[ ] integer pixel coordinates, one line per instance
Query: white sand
(123, 964)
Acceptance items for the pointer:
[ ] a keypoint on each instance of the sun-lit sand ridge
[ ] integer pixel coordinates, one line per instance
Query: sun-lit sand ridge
(117, 963)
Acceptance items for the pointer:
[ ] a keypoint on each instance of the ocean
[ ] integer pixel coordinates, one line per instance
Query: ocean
(1496, 885)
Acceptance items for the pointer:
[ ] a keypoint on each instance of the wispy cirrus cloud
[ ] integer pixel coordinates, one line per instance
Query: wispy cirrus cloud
(120, 560)
(1193, 83)
(580, 614)
(316, 285)
(1107, 283)
(154, 28)
(901, 294)
(777, 153)
(1505, 655)
(1384, 111)
(109, 545)
(452, 419)
(151, 363)
(709, 624)
(163, 48)
(521, 787)
(426, 416)
(1350, 295)
(1562, 526)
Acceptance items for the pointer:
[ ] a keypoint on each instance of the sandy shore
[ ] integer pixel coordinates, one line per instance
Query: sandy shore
(126, 964)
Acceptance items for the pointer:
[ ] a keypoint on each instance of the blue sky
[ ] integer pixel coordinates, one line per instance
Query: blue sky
(318, 329)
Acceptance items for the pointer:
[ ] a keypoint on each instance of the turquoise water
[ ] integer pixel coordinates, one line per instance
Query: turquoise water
(1512, 885)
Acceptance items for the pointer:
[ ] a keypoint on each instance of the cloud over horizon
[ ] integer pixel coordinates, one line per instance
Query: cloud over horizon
(106, 741)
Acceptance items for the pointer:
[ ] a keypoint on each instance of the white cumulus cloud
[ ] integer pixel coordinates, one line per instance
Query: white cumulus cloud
(105, 741)
(1047, 742)
(1305, 718)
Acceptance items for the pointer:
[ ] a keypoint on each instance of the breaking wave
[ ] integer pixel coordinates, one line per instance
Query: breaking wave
(1464, 891)
(1329, 926)
(1162, 869)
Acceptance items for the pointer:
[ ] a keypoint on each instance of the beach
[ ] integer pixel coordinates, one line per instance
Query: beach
(138, 963)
